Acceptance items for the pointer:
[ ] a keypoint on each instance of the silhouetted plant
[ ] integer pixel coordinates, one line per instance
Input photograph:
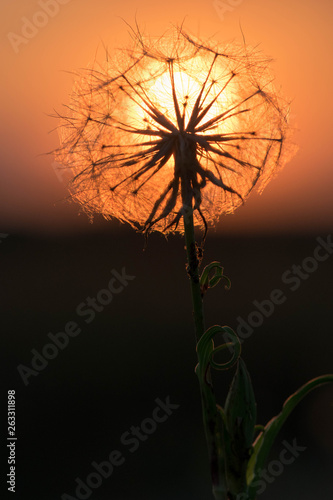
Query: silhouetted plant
(167, 135)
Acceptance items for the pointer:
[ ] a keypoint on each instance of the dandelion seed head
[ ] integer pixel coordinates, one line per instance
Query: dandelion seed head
(172, 125)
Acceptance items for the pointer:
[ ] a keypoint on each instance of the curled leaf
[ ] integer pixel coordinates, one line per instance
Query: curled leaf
(208, 281)
(206, 350)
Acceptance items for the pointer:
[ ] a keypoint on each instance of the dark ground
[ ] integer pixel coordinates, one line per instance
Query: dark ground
(141, 347)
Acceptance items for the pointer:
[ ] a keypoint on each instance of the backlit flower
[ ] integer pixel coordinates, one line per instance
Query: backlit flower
(172, 125)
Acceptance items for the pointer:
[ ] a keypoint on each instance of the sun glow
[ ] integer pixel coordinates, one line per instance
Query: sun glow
(187, 85)
(186, 90)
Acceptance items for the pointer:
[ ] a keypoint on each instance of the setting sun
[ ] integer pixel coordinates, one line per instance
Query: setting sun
(187, 88)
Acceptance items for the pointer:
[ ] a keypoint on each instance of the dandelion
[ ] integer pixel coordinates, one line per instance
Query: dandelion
(169, 135)
(172, 124)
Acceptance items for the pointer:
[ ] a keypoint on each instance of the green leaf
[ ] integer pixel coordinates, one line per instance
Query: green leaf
(206, 350)
(209, 282)
(240, 410)
(265, 440)
(217, 435)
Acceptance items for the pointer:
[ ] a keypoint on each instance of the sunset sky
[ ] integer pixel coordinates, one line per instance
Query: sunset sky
(139, 345)
(36, 80)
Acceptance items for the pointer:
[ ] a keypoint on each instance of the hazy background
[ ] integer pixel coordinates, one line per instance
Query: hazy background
(34, 82)
(141, 346)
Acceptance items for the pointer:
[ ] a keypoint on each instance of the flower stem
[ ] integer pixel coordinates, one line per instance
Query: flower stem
(193, 271)
(211, 417)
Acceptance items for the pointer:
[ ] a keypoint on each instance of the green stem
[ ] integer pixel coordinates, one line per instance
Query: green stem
(211, 417)
(193, 271)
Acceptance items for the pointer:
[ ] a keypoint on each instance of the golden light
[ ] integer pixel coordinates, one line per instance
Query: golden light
(187, 89)
(173, 125)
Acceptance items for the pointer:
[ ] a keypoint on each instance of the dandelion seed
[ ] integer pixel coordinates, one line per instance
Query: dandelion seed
(173, 125)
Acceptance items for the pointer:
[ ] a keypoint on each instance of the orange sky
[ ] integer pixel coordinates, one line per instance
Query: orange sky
(34, 81)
